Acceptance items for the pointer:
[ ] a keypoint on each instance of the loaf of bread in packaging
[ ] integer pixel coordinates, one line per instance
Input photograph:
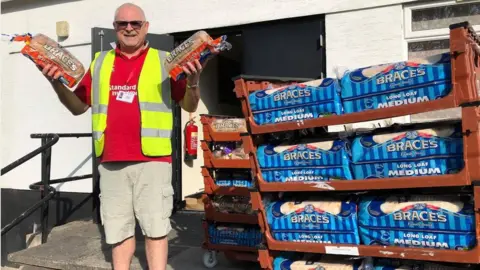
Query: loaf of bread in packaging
(200, 46)
(306, 262)
(229, 150)
(395, 84)
(296, 102)
(234, 234)
(229, 125)
(310, 161)
(422, 152)
(317, 220)
(426, 221)
(396, 264)
(232, 178)
(43, 50)
(232, 204)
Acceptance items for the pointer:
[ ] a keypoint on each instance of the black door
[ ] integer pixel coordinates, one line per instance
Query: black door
(285, 48)
(102, 40)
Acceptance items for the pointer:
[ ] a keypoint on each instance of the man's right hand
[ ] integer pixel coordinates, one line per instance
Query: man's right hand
(51, 72)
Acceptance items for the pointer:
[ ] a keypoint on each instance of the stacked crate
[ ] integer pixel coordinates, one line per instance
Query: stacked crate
(465, 64)
(227, 179)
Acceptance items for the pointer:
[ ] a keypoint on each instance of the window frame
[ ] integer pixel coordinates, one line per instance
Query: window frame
(426, 35)
(433, 34)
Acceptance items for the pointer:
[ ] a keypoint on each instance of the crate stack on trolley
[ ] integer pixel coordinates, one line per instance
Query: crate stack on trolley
(230, 224)
(403, 196)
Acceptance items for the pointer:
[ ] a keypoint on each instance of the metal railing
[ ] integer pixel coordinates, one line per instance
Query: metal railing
(47, 192)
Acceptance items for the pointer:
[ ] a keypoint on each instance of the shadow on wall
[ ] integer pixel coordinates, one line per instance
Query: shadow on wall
(19, 5)
(209, 86)
(74, 172)
(65, 208)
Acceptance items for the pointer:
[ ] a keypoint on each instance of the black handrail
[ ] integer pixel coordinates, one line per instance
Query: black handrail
(54, 139)
(29, 211)
(30, 155)
(60, 135)
(47, 191)
(38, 185)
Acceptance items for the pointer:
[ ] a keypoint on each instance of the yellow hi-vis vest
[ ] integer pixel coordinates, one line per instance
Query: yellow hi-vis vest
(154, 98)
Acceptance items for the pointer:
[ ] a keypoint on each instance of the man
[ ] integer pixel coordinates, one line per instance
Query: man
(130, 86)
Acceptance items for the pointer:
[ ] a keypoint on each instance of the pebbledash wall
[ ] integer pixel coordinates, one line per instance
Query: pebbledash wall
(358, 33)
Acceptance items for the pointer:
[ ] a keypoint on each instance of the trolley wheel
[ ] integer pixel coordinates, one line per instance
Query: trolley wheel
(210, 259)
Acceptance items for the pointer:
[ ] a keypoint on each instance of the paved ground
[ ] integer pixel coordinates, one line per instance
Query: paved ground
(80, 245)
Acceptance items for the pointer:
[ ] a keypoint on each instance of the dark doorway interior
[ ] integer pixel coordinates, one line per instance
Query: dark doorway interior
(289, 48)
(286, 48)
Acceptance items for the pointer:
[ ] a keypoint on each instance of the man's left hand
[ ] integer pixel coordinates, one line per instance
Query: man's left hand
(193, 70)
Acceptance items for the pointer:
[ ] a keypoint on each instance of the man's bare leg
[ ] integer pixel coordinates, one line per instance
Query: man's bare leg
(157, 252)
(122, 254)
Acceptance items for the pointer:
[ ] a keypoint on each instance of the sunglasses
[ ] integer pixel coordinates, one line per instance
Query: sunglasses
(121, 25)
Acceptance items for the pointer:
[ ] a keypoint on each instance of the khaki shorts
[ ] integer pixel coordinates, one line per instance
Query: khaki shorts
(139, 189)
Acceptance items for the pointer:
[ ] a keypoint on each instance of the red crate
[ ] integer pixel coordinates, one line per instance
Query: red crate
(471, 141)
(211, 188)
(209, 246)
(211, 162)
(464, 48)
(233, 253)
(213, 215)
(423, 254)
(210, 133)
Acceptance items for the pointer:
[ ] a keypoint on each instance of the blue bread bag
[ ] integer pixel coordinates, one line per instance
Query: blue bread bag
(298, 101)
(305, 162)
(427, 221)
(395, 84)
(313, 221)
(434, 151)
(234, 234)
(315, 261)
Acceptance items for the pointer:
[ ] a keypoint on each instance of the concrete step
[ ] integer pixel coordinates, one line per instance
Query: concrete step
(81, 245)
(25, 267)
(30, 267)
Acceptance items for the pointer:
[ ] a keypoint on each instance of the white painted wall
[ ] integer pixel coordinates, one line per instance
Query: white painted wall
(28, 105)
(363, 38)
(171, 16)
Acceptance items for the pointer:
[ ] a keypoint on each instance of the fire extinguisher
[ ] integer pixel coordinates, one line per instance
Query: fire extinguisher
(191, 139)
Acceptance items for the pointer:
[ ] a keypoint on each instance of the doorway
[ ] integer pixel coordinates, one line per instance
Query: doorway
(292, 47)
(288, 48)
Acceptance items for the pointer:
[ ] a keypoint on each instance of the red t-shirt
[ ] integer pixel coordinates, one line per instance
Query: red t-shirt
(122, 135)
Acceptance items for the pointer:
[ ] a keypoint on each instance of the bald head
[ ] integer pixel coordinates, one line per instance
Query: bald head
(131, 28)
(129, 9)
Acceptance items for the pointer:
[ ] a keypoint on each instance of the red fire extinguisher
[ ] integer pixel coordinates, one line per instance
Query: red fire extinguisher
(191, 139)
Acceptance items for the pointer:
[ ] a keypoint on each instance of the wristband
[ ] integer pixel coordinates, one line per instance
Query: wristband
(192, 86)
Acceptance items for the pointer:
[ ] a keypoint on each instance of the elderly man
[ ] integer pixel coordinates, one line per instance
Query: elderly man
(129, 92)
